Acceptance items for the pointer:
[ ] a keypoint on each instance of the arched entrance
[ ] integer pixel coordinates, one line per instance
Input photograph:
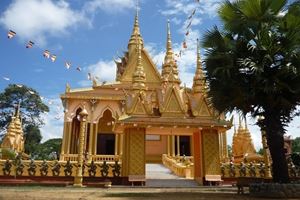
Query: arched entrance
(105, 136)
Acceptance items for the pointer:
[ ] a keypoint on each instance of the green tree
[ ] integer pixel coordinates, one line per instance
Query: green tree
(33, 138)
(253, 65)
(296, 145)
(229, 149)
(31, 105)
(260, 151)
(47, 149)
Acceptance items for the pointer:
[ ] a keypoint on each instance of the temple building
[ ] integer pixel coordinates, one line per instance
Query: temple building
(14, 137)
(242, 145)
(146, 116)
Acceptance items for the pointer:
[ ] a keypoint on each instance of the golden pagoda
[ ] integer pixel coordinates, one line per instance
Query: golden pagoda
(146, 116)
(242, 145)
(14, 138)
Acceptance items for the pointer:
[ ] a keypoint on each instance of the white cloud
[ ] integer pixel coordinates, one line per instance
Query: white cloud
(103, 70)
(53, 120)
(110, 6)
(36, 19)
(186, 7)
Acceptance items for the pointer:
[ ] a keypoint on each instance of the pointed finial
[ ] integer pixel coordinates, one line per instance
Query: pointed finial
(199, 80)
(17, 110)
(169, 54)
(245, 117)
(136, 29)
(139, 74)
(240, 122)
(68, 88)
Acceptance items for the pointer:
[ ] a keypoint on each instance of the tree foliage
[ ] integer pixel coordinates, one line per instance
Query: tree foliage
(253, 66)
(33, 138)
(296, 145)
(48, 150)
(31, 105)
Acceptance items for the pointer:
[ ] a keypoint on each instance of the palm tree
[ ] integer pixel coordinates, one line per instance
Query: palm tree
(253, 65)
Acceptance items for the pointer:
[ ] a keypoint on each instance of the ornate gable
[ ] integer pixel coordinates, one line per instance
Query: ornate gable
(172, 103)
(200, 107)
(138, 104)
(152, 74)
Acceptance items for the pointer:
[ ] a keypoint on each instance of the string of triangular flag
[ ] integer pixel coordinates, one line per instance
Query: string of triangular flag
(189, 22)
(46, 54)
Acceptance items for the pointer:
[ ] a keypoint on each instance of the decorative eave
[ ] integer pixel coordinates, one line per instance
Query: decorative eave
(171, 122)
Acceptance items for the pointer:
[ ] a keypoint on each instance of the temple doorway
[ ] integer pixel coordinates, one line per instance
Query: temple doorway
(184, 146)
(106, 144)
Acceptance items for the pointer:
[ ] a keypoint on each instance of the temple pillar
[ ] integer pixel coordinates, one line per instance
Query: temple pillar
(197, 153)
(78, 177)
(168, 145)
(92, 127)
(178, 145)
(173, 145)
(116, 144)
(63, 146)
(69, 134)
(133, 162)
(121, 144)
(95, 139)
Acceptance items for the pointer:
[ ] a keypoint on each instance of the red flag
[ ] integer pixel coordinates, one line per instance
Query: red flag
(184, 45)
(89, 76)
(68, 65)
(53, 58)
(11, 34)
(29, 44)
(188, 26)
(46, 54)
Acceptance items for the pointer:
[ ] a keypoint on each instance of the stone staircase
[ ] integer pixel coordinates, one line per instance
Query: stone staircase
(157, 175)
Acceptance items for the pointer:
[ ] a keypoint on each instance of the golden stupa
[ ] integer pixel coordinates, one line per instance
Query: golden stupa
(14, 137)
(242, 145)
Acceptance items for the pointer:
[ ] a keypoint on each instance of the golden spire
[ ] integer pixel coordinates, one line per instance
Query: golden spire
(246, 127)
(136, 36)
(139, 76)
(169, 68)
(199, 79)
(169, 57)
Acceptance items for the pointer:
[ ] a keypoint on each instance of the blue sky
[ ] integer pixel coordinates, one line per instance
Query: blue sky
(89, 34)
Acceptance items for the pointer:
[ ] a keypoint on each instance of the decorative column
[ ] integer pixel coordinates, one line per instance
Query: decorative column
(178, 145)
(173, 145)
(168, 145)
(116, 144)
(83, 118)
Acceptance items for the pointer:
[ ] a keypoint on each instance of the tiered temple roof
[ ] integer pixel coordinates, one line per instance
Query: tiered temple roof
(144, 94)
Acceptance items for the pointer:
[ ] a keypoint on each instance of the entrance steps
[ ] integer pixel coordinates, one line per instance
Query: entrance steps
(157, 175)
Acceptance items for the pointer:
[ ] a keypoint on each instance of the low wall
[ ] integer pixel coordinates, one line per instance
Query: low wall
(273, 190)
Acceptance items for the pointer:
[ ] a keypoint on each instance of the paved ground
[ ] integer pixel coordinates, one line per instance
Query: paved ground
(119, 193)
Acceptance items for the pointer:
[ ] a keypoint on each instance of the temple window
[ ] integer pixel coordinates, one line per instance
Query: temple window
(75, 133)
(105, 135)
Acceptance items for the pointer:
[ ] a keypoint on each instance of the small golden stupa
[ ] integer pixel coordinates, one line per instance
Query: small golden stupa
(242, 145)
(14, 137)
